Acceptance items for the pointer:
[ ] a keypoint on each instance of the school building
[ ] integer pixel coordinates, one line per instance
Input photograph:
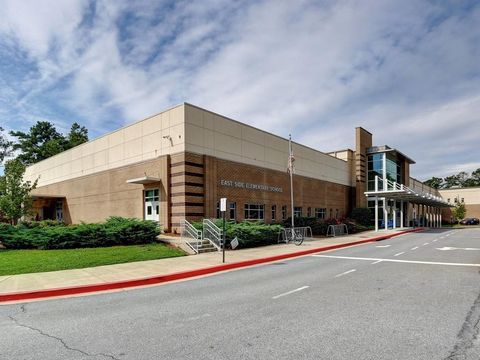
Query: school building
(177, 164)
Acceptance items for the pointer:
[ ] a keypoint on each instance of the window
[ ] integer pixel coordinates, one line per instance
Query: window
(218, 210)
(274, 212)
(233, 211)
(336, 213)
(448, 200)
(297, 211)
(284, 212)
(254, 212)
(456, 200)
(320, 213)
(331, 213)
(309, 212)
(151, 195)
(463, 200)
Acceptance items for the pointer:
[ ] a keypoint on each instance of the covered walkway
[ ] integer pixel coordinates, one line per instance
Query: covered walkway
(403, 206)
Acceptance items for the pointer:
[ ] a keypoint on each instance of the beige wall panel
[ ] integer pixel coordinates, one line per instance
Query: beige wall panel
(227, 144)
(133, 148)
(152, 125)
(194, 135)
(122, 147)
(151, 142)
(133, 132)
(253, 151)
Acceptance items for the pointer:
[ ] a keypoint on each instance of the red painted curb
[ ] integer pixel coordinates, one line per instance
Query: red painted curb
(75, 290)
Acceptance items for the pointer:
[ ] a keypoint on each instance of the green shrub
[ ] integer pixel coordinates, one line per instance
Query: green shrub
(362, 216)
(115, 231)
(252, 234)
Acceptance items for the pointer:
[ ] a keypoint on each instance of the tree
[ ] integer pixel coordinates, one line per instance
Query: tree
(5, 146)
(434, 182)
(78, 135)
(15, 199)
(43, 141)
(476, 177)
(459, 211)
(451, 181)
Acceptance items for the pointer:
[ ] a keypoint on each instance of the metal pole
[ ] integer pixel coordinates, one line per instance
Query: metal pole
(224, 236)
(376, 213)
(290, 170)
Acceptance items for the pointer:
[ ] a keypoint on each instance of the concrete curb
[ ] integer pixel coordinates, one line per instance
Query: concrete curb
(83, 289)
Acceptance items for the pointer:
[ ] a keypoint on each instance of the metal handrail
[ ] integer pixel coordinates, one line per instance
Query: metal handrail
(212, 233)
(188, 233)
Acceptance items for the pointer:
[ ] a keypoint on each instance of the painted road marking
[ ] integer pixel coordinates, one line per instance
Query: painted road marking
(455, 248)
(291, 292)
(396, 260)
(400, 253)
(414, 248)
(435, 240)
(376, 262)
(346, 272)
(383, 246)
(426, 244)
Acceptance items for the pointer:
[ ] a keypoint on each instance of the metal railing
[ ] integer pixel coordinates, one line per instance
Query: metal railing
(386, 185)
(287, 234)
(191, 235)
(334, 230)
(212, 233)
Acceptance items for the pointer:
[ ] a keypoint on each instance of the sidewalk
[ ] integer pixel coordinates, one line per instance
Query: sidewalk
(121, 276)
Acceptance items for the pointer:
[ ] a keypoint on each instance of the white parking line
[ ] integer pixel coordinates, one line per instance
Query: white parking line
(435, 240)
(376, 262)
(414, 248)
(346, 272)
(400, 253)
(291, 292)
(426, 244)
(383, 246)
(397, 260)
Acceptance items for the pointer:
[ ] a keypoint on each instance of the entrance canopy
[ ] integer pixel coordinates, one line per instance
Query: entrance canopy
(396, 191)
(144, 180)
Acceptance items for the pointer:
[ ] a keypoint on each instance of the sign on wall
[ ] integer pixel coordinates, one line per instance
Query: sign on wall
(250, 186)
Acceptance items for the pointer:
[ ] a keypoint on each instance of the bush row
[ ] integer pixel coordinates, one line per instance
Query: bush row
(115, 231)
(248, 233)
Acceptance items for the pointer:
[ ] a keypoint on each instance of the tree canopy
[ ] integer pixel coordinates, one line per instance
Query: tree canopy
(15, 200)
(43, 140)
(462, 179)
(5, 146)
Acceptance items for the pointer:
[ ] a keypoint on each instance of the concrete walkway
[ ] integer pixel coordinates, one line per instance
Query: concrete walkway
(154, 268)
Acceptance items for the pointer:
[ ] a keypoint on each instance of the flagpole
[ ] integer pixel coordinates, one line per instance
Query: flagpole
(290, 167)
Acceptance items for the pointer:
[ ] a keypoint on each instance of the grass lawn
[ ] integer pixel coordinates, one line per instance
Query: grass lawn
(31, 261)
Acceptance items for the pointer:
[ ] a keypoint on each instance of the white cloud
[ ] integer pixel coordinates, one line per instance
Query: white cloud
(316, 69)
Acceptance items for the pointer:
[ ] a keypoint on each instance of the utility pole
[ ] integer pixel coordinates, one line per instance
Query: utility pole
(291, 159)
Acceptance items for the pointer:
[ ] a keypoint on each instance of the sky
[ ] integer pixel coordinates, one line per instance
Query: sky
(407, 71)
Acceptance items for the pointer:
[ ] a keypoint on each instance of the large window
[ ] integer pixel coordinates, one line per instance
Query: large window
(274, 212)
(254, 212)
(309, 212)
(284, 212)
(297, 211)
(375, 168)
(233, 211)
(320, 213)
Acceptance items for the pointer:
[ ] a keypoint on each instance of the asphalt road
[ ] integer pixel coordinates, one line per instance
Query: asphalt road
(396, 299)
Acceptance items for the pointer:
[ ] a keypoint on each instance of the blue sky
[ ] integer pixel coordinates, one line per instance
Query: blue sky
(408, 71)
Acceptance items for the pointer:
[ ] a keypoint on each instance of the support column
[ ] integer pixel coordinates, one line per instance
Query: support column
(394, 215)
(401, 214)
(385, 213)
(376, 213)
